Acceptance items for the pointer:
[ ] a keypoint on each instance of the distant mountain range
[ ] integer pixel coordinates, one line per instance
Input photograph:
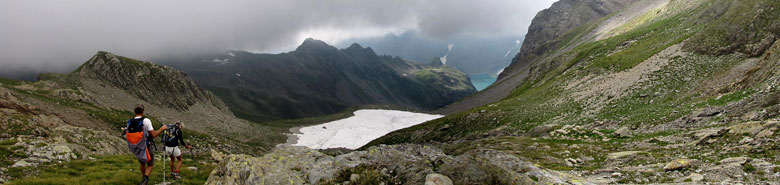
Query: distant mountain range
(318, 79)
(471, 54)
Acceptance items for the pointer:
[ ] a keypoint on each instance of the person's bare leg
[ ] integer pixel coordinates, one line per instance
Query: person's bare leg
(178, 166)
(172, 160)
(148, 171)
(143, 169)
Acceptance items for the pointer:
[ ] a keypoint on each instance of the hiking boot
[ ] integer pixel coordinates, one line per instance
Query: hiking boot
(173, 174)
(177, 176)
(144, 181)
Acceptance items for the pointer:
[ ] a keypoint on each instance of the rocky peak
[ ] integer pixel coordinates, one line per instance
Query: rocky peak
(436, 62)
(153, 83)
(314, 45)
(356, 48)
(551, 24)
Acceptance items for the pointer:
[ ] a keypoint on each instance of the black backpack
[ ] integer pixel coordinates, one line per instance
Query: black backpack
(169, 135)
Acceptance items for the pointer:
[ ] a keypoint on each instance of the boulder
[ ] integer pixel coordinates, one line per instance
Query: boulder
(678, 164)
(623, 132)
(437, 179)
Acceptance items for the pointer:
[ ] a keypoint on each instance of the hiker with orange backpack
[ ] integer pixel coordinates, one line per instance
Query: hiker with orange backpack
(140, 136)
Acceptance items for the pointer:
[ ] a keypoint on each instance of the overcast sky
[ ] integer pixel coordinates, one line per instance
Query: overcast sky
(59, 35)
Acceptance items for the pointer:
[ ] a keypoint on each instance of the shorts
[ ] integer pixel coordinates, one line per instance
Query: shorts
(172, 151)
(150, 148)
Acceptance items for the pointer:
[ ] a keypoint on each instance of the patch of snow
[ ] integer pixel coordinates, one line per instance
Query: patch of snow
(221, 61)
(231, 54)
(517, 44)
(444, 58)
(358, 130)
(238, 74)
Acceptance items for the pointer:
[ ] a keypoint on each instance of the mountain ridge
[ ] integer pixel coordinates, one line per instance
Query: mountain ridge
(318, 79)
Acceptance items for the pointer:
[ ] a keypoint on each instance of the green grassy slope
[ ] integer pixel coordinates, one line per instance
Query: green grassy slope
(544, 98)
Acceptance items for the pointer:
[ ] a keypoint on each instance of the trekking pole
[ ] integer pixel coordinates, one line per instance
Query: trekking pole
(163, 164)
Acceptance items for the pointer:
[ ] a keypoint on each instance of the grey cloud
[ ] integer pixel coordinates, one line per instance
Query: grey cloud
(59, 35)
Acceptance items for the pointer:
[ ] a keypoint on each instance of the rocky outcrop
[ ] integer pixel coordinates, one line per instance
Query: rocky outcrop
(550, 25)
(395, 164)
(155, 84)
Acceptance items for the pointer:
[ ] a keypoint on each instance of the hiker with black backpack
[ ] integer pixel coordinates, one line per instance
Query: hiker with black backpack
(172, 137)
(140, 136)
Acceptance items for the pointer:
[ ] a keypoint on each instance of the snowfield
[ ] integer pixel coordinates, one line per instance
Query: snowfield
(358, 130)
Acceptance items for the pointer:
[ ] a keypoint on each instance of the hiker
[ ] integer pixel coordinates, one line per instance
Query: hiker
(172, 137)
(140, 139)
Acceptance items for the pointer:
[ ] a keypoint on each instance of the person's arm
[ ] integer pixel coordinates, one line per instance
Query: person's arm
(152, 132)
(157, 132)
(181, 139)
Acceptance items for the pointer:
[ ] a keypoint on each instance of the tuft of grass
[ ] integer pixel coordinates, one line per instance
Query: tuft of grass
(749, 168)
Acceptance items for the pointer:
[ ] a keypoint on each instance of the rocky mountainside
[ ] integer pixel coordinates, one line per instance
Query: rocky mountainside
(68, 121)
(151, 83)
(119, 83)
(318, 79)
(650, 91)
(551, 30)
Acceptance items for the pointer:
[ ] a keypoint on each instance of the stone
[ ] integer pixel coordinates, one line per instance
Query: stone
(751, 128)
(708, 112)
(623, 132)
(764, 134)
(437, 179)
(445, 127)
(678, 164)
(707, 135)
(192, 168)
(735, 160)
(695, 177)
(354, 177)
(217, 156)
(746, 140)
(618, 155)
(21, 163)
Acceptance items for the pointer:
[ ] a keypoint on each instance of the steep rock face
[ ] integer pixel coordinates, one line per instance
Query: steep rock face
(398, 164)
(318, 79)
(549, 32)
(155, 84)
(549, 25)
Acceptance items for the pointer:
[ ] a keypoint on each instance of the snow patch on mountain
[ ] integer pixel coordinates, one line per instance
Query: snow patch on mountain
(358, 130)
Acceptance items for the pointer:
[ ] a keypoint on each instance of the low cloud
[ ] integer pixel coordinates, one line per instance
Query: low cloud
(57, 35)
